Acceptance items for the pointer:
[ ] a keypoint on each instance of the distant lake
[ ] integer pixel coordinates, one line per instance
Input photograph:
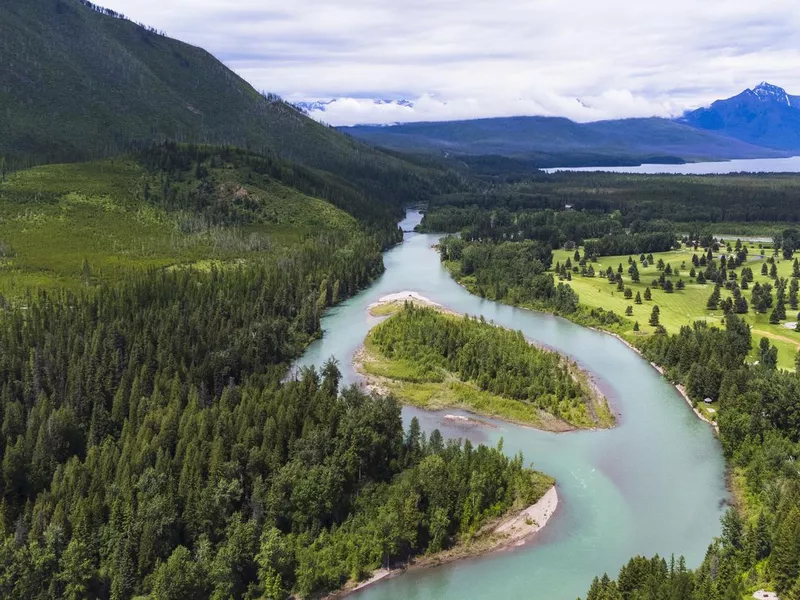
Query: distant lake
(752, 165)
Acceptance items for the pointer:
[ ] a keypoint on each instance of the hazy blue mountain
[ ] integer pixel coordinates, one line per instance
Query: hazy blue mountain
(765, 115)
(548, 140)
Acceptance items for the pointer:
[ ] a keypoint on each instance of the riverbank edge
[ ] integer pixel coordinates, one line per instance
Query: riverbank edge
(513, 530)
(679, 387)
(582, 376)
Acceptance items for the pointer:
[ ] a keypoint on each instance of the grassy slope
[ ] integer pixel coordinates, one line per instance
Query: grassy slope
(54, 217)
(414, 384)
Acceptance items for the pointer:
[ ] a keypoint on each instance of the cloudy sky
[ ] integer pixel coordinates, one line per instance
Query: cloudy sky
(582, 59)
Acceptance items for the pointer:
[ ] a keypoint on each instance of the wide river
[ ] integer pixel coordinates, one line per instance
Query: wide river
(654, 484)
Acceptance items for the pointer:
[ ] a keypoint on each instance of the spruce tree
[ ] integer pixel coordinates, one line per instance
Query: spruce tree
(785, 556)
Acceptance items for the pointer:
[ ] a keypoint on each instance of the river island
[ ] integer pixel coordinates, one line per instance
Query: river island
(433, 358)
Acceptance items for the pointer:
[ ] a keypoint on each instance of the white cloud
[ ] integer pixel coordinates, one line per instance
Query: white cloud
(472, 58)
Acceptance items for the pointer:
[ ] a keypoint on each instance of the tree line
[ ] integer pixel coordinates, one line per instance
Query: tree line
(512, 272)
(700, 200)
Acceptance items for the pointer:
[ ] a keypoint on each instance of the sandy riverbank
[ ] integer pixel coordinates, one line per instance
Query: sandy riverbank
(508, 532)
(392, 303)
(402, 297)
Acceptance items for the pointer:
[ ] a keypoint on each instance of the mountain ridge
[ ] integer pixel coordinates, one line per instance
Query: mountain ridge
(765, 115)
(550, 139)
(78, 83)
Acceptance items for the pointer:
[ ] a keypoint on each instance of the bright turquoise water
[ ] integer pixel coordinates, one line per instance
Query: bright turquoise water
(654, 484)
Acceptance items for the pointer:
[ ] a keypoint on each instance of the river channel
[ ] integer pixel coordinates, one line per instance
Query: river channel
(654, 484)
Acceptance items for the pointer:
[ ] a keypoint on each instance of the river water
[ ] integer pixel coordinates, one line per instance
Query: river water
(743, 165)
(654, 484)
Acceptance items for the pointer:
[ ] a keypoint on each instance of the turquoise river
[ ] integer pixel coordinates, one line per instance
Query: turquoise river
(654, 484)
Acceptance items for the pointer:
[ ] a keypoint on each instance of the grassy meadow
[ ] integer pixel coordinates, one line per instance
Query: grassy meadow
(75, 225)
(682, 307)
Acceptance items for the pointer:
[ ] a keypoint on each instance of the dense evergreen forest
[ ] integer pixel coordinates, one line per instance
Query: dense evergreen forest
(148, 445)
(187, 179)
(696, 200)
(433, 346)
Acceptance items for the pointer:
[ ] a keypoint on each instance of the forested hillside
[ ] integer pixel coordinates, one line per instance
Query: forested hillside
(79, 83)
(81, 224)
(147, 443)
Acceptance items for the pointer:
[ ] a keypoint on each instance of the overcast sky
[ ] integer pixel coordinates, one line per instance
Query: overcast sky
(582, 59)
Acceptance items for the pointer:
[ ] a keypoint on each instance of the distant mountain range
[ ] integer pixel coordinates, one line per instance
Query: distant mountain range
(758, 123)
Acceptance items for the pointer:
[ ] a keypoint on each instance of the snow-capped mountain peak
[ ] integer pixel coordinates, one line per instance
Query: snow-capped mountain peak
(764, 115)
(767, 92)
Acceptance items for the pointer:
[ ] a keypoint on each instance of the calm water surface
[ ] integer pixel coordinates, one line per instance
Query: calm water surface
(750, 165)
(654, 484)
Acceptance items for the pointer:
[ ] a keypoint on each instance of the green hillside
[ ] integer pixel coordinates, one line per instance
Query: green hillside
(79, 225)
(77, 84)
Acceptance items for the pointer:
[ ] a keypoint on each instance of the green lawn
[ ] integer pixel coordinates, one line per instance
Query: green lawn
(682, 306)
